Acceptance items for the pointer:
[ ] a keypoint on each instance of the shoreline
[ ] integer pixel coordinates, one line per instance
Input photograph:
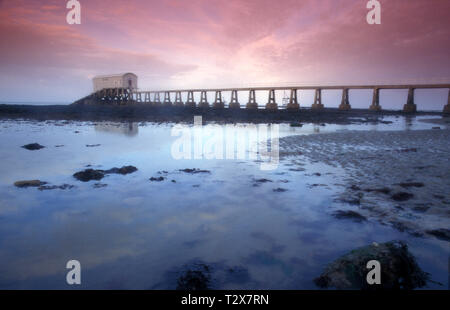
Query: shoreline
(144, 112)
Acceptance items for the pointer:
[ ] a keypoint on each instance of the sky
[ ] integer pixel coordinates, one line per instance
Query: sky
(219, 43)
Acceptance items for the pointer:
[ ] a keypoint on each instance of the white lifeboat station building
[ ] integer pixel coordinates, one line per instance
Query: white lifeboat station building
(124, 81)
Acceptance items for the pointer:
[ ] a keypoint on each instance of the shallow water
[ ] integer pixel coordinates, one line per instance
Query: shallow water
(138, 234)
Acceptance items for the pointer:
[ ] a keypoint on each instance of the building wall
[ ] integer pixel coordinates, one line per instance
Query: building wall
(115, 81)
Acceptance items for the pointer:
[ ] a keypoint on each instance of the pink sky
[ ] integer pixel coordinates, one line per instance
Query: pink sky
(218, 43)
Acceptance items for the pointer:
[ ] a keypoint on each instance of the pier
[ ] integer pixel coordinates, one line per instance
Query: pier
(153, 97)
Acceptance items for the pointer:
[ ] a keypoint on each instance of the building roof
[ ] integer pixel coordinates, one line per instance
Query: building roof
(113, 75)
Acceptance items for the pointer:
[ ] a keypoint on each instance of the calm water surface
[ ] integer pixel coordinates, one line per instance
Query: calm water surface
(138, 234)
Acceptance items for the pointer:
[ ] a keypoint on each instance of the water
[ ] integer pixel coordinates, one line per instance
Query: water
(138, 234)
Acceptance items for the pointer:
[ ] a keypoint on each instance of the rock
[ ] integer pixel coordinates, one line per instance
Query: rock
(402, 196)
(194, 171)
(59, 145)
(158, 179)
(92, 174)
(92, 145)
(32, 183)
(355, 216)
(124, 170)
(399, 269)
(296, 124)
(262, 180)
(198, 277)
(33, 146)
(317, 174)
(411, 184)
(442, 233)
(89, 174)
(279, 190)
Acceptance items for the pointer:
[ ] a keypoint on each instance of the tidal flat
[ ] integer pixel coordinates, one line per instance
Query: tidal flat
(149, 221)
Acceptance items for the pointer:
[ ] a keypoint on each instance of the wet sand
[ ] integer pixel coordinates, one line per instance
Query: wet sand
(397, 178)
(144, 112)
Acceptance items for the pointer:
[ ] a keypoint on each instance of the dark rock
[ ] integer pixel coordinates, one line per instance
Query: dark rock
(173, 181)
(89, 174)
(399, 269)
(279, 190)
(411, 184)
(92, 145)
(442, 233)
(317, 174)
(402, 196)
(297, 169)
(158, 179)
(352, 215)
(124, 170)
(262, 180)
(196, 278)
(194, 171)
(296, 125)
(32, 183)
(33, 146)
(59, 145)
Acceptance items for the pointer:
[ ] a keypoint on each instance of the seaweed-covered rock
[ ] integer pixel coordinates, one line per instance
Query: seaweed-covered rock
(157, 179)
(31, 183)
(399, 269)
(33, 146)
(124, 170)
(89, 174)
(94, 174)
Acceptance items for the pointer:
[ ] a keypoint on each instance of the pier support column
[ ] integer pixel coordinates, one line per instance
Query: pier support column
(234, 103)
(178, 100)
(293, 103)
(271, 104)
(375, 106)
(410, 106)
(251, 104)
(218, 103)
(345, 104)
(156, 100)
(190, 100)
(317, 105)
(167, 101)
(203, 100)
(139, 97)
(447, 107)
(147, 97)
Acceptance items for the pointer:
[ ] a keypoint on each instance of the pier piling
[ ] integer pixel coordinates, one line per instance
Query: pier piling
(234, 103)
(218, 102)
(178, 100)
(317, 105)
(271, 104)
(293, 102)
(203, 100)
(375, 106)
(447, 107)
(410, 106)
(190, 100)
(252, 100)
(345, 104)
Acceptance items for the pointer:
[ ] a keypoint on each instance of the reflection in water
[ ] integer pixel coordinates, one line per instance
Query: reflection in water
(134, 233)
(130, 129)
